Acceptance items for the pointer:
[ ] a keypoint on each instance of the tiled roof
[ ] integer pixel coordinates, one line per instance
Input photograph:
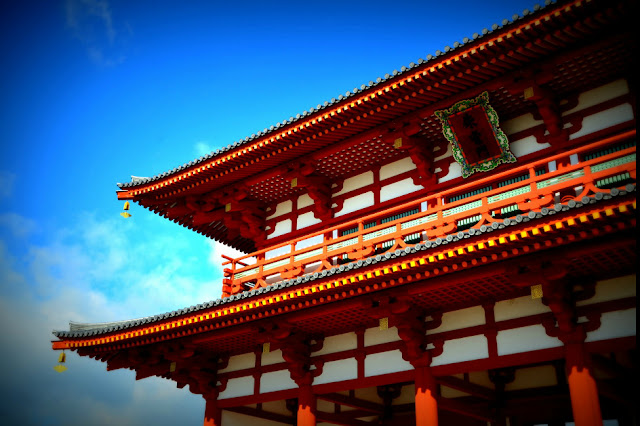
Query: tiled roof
(135, 180)
(77, 330)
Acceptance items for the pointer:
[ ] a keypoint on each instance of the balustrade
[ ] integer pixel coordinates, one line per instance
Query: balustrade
(604, 164)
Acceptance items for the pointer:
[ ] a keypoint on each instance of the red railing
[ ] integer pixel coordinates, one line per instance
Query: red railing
(533, 188)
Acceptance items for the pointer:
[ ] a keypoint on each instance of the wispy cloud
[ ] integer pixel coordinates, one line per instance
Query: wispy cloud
(93, 24)
(202, 148)
(99, 269)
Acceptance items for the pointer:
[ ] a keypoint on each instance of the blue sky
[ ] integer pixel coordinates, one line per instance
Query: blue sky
(94, 91)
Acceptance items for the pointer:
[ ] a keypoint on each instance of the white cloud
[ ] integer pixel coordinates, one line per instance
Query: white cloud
(202, 148)
(96, 270)
(93, 24)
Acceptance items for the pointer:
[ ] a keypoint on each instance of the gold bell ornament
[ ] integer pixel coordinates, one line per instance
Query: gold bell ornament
(61, 360)
(126, 213)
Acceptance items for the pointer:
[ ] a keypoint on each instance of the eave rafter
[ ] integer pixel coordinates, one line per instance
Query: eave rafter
(551, 30)
(422, 270)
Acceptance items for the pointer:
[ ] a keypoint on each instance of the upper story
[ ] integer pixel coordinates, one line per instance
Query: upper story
(395, 162)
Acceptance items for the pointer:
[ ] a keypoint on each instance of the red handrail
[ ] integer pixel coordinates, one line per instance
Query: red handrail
(256, 269)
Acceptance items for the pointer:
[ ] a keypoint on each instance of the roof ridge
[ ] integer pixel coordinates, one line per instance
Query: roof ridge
(348, 94)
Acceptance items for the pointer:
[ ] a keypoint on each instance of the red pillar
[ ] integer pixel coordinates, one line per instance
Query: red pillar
(426, 403)
(212, 413)
(306, 406)
(582, 387)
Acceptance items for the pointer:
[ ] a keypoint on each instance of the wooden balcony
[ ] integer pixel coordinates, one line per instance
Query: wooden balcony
(579, 172)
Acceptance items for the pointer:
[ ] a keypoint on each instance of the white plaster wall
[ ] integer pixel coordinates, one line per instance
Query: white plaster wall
(375, 336)
(356, 182)
(338, 343)
(525, 339)
(384, 363)
(236, 419)
(272, 357)
(396, 168)
(527, 145)
(358, 202)
(461, 318)
(240, 362)
(282, 208)
(281, 228)
(276, 380)
(463, 349)
(335, 371)
(613, 289)
(519, 307)
(304, 200)
(240, 386)
(599, 95)
(455, 171)
(397, 189)
(615, 324)
(307, 219)
(519, 124)
(604, 119)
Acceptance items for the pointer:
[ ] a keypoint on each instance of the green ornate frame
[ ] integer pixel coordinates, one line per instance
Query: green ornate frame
(506, 155)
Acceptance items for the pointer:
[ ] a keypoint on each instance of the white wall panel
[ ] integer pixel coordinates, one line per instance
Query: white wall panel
(613, 289)
(276, 380)
(335, 371)
(282, 208)
(615, 324)
(604, 119)
(240, 362)
(384, 363)
(375, 336)
(519, 307)
(240, 386)
(356, 182)
(463, 349)
(304, 200)
(356, 203)
(338, 343)
(525, 339)
(461, 318)
(527, 145)
(519, 124)
(283, 227)
(272, 357)
(599, 95)
(396, 168)
(307, 219)
(397, 189)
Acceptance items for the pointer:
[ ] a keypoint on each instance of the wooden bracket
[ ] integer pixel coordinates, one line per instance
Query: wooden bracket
(305, 175)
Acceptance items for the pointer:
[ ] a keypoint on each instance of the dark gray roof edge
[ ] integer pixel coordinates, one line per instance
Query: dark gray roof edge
(135, 181)
(102, 328)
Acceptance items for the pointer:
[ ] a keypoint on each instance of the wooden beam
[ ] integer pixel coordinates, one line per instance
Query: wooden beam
(339, 419)
(467, 387)
(262, 414)
(468, 410)
(353, 402)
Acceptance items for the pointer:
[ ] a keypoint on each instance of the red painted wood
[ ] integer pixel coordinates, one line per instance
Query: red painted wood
(582, 387)
(425, 397)
(306, 406)
(212, 412)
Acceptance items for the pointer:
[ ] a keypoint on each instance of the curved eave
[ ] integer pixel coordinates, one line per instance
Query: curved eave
(606, 214)
(521, 42)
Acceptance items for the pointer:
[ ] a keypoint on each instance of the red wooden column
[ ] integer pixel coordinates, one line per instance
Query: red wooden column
(425, 400)
(306, 406)
(582, 386)
(212, 413)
